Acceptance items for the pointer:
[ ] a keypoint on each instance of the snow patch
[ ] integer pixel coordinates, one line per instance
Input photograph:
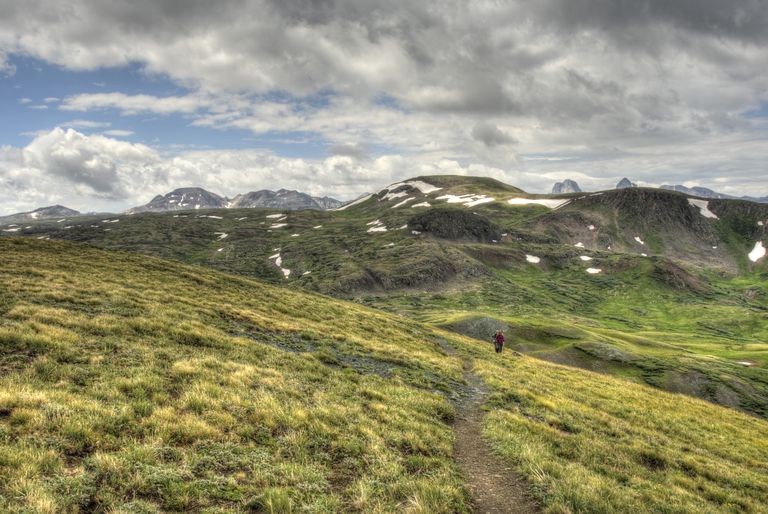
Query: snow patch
(415, 232)
(278, 225)
(591, 227)
(222, 235)
(579, 245)
(376, 226)
(243, 218)
(422, 204)
(393, 196)
(416, 184)
(274, 216)
(637, 238)
(305, 273)
(423, 186)
(480, 201)
(703, 207)
(278, 261)
(644, 254)
(532, 259)
(546, 202)
(295, 235)
(317, 227)
(758, 252)
(760, 223)
(220, 249)
(585, 258)
(11, 230)
(594, 271)
(359, 200)
(469, 200)
(403, 203)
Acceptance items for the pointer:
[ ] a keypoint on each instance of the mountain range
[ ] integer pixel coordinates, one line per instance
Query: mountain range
(189, 198)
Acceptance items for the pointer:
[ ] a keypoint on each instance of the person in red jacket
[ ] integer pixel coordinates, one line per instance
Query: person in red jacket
(498, 341)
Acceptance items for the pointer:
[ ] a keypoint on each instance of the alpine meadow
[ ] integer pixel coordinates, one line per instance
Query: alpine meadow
(357, 256)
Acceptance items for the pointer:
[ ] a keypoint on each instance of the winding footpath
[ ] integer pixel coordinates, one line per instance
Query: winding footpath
(494, 485)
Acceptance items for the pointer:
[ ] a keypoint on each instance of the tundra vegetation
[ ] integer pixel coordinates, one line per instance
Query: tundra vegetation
(135, 384)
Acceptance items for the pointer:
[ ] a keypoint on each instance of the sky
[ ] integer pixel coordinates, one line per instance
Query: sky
(106, 103)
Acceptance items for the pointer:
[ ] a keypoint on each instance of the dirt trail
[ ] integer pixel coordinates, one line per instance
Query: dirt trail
(495, 487)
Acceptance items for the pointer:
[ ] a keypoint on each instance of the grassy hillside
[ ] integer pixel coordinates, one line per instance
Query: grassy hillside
(450, 250)
(132, 384)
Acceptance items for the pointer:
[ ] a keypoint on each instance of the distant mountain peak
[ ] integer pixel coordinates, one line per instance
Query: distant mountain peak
(566, 186)
(625, 183)
(187, 198)
(51, 211)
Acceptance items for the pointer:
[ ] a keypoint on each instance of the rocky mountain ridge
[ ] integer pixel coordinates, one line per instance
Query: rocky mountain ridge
(192, 198)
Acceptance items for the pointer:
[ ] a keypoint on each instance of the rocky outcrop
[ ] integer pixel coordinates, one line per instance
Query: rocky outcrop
(566, 186)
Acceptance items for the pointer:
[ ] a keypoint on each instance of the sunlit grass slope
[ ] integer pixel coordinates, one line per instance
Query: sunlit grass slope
(131, 384)
(602, 446)
(135, 384)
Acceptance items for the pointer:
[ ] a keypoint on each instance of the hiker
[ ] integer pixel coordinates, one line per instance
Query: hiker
(498, 341)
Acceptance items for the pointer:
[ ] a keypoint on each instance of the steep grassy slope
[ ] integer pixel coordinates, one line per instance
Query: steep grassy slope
(134, 384)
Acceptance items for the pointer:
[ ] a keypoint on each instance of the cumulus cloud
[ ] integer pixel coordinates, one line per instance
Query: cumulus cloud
(93, 165)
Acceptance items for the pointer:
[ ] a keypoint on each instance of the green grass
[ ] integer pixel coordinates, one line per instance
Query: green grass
(141, 385)
(603, 446)
(132, 384)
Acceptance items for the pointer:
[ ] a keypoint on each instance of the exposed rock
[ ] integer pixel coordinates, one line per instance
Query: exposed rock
(566, 186)
(625, 183)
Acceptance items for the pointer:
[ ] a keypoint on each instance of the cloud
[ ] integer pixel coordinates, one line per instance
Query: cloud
(490, 135)
(95, 165)
(357, 150)
(118, 133)
(615, 87)
(133, 104)
(88, 124)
